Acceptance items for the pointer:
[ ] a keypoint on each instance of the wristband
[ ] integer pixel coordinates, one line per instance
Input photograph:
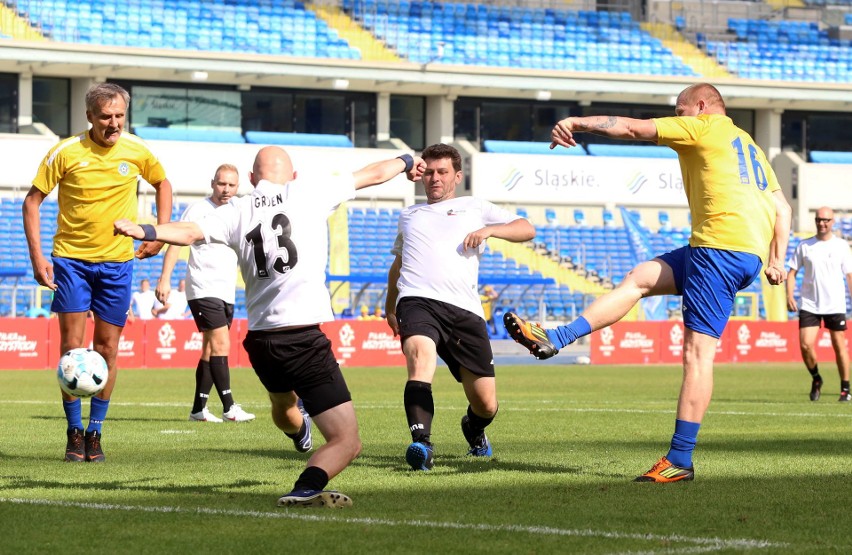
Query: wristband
(409, 162)
(150, 232)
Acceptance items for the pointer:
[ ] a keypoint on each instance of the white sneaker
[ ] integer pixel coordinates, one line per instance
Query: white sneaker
(237, 414)
(204, 415)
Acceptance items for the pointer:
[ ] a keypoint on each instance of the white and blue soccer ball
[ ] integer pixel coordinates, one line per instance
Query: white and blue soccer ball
(82, 372)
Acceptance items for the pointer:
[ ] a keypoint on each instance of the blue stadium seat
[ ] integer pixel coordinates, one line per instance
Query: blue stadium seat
(830, 157)
(298, 139)
(525, 147)
(184, 134)
(631, 151)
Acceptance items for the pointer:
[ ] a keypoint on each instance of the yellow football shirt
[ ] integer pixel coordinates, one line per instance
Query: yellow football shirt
(97, 185)
(728, 181)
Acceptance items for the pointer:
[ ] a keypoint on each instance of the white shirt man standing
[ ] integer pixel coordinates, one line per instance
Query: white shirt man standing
(826, 259)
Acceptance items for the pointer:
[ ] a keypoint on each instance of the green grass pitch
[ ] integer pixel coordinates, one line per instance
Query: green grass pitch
(772, 469)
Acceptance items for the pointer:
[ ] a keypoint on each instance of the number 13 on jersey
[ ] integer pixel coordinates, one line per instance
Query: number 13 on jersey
(284, 252)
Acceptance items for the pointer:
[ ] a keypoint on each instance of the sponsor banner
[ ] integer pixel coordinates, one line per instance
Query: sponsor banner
(671, 343)
(172, 344)
(131, 345)
(24, 343)
(364, 343)
(627, 343)
(762, 341)
(516, 178)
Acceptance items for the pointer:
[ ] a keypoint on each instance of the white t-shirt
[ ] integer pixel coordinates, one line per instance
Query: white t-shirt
(212, 267)
(280, 234)
(435, 265)
(826, 264)
(143, 302)
(177, 306)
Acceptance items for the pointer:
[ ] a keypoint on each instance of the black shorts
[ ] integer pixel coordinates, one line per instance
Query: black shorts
(833, 322)
(299, 360)
(211, 313)
(460, 335)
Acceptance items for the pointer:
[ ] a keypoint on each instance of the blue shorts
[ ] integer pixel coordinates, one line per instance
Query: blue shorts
(105, 288)
(709, 280)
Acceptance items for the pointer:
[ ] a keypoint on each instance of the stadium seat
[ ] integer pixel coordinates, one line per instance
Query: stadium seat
(298, 139)
(830, 157)
(185, 134)
(523, 147)
(631, 151)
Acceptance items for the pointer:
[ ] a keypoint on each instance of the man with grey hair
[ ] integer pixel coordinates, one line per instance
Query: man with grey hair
(97, 173)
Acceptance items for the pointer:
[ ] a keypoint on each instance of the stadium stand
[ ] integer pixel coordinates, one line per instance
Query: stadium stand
(282, 27)
(784, 50)
(489, 35)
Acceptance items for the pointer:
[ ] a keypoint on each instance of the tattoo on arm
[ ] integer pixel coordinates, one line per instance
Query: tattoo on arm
(609, 123)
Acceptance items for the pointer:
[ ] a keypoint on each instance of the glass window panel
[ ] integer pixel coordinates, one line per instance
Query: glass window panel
(51, 104)
(8, 103)
(187, 108)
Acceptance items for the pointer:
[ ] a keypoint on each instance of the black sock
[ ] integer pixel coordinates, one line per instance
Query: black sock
(222, 379)
(844, 385)
(313, 477)
(478, 423)
(419, 410)
(203, 385)
(815, 373)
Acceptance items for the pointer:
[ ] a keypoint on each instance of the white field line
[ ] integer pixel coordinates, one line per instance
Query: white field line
(527, 408)
(712, 544)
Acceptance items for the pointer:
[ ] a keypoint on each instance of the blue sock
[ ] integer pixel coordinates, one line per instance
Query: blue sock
(73, 413)
(565, 335)
(683, 442)
(97, 414)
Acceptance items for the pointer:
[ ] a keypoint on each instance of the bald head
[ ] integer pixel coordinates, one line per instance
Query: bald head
(701, 98)
(273, 164)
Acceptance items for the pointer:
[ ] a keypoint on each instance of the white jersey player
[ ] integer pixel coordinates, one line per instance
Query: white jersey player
(826, 261)
(433, 303)
(211, 275)
(279, 233)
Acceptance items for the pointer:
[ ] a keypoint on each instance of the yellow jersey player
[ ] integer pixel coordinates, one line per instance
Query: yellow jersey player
(97, 173)
(740, 223)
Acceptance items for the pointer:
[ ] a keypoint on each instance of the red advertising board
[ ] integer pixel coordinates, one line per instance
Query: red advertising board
(364, 343)
(172, 344)
(671, 343)
(24, 343)
(627, 343)
(752, 341)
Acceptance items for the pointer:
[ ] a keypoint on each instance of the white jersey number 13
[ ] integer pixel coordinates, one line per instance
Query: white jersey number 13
(286, 260)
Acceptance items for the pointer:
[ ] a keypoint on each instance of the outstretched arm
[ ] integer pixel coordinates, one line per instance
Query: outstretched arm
(379, 172)
(174, 233)
(614, 127)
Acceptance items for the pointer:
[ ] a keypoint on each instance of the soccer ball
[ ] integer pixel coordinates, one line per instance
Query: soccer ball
(82, 372)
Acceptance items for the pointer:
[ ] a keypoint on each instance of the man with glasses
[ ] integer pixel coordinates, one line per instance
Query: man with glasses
(211, 274)
(823, 299)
